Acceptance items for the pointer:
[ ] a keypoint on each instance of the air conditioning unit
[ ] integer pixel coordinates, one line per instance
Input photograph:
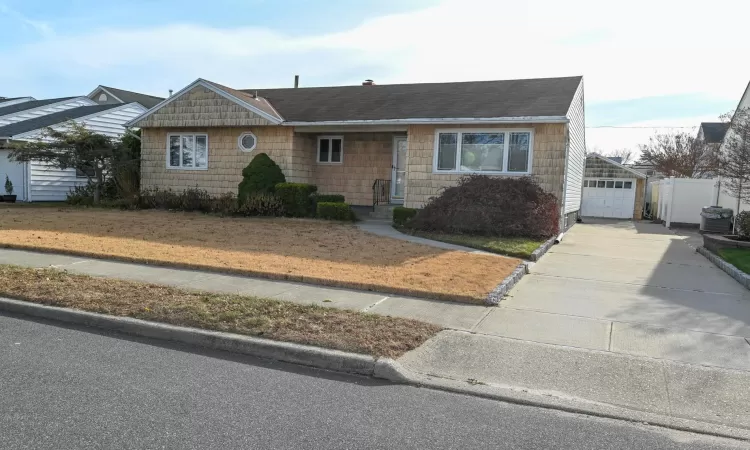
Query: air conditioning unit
(715, 219)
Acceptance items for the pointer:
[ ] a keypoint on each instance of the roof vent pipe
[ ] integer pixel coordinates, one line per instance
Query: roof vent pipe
(296, 81)
(368, 82)
(170, 92)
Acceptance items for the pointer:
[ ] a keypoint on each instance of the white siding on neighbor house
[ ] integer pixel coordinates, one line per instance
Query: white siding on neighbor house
(15, 101)
(46, 109)
(51, 184)
(576, 162)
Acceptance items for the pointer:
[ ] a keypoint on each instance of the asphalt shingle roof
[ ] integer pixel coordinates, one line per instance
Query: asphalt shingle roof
(18, 107)
(48, 120)
(475, 99)
(149, 101)
(713, 132)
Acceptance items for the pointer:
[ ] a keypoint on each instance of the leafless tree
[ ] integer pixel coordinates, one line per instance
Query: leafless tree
(735, 157)
(626, 155)
(680, 155)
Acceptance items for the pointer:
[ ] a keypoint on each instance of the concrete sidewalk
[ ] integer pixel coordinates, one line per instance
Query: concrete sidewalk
(447, 314)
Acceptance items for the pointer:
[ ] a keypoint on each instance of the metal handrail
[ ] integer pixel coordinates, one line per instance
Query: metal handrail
(381, 192)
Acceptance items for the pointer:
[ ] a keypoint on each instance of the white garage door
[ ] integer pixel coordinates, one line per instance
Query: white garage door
(608, 197)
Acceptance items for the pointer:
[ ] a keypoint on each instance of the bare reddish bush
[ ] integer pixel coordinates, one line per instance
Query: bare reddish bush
(491, 206)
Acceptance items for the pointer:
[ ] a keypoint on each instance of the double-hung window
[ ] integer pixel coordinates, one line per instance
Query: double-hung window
(187, 151)
(330, 149)
(483, 151)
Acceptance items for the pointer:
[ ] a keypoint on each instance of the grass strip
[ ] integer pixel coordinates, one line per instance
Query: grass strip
(738, 257)
(345, 330)
(516, 247)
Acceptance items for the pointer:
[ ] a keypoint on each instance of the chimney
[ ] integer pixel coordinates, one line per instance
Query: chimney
(296, 81)
(368, 82)
(170, 92)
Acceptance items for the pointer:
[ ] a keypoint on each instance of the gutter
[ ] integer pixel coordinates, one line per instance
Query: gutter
(428, 121)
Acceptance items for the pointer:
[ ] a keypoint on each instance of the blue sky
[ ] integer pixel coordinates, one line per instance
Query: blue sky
(640, 70)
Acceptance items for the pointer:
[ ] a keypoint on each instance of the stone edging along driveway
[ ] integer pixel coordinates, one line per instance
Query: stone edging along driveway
(730, 269)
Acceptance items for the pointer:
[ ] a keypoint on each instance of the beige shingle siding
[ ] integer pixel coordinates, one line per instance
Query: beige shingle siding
(367, 157)
(640, 195)
(225, 160)
(576, 152)
(547, 167)
(202, 107)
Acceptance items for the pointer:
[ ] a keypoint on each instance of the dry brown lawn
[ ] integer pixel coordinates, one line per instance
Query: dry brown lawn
(305, 324)
(295, 249)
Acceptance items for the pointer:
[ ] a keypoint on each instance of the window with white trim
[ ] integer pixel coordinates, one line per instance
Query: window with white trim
(247, 142)
(330, 149)
(187, 151)
(483, 151)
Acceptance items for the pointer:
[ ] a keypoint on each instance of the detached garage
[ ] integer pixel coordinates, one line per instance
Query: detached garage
(612, 190)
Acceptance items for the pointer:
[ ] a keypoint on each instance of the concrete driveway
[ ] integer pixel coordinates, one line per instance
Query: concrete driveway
(633, 288)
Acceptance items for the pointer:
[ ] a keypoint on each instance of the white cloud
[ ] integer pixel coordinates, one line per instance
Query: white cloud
(41, 27)
(640, 49)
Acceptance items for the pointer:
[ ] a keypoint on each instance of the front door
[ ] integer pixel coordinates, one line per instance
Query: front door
(398, 169)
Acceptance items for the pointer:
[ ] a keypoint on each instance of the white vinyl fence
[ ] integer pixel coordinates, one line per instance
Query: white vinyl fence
(679, 200)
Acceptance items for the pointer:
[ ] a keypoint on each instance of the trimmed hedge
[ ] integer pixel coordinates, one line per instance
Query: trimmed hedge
(297, 198)
(330, 198)
(335, 211)
(260, 176)
(402, 215)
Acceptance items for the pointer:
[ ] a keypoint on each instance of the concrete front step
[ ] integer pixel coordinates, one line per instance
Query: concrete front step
(382, 212)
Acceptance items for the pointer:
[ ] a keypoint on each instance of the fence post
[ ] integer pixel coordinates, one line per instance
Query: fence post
(671, 201)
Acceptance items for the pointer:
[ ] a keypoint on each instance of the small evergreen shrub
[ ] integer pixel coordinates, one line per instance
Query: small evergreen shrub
(335, 211)
(491, 206)
(742, 224)
(402, 215)
(330, 198)
(297, 198)
(260, 176)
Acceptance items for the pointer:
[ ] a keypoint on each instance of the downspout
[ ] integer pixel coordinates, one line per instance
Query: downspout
(563, 217)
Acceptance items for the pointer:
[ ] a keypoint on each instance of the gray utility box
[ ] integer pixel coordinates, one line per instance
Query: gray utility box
(715, 219)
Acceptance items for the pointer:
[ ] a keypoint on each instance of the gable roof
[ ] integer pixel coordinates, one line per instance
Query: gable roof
(18, 107)
(148, 101)
(542, 97)
(713, 132)
(257, 106)
(616, 164)
(10, 99)
(24, 126)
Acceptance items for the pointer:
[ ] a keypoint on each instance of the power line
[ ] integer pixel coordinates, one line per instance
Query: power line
(615, 126)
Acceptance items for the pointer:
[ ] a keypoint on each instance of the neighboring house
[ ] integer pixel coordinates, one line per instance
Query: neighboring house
(612, 190)
(105, 95)
(26, 120)
(712, 133)
(5, 101)
(392, 144)
(646, 168)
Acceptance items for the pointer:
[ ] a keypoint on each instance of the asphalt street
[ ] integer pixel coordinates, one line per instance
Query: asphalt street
(70, 388)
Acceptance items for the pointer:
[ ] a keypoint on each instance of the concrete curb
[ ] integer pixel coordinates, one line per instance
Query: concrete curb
(382, 368)
(730, 269)
(497, 294)
(548, 400)
(305, 355)
(542, 249)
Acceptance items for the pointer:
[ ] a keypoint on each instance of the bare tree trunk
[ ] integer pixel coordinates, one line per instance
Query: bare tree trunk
(737, 211)
(98, 187)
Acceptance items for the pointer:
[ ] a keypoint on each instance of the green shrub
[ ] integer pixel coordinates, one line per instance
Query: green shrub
(402, 215)
(297, 198)
(335, 211)
(261, 204)
(742, 224)
(260, 176)
(330, 198)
